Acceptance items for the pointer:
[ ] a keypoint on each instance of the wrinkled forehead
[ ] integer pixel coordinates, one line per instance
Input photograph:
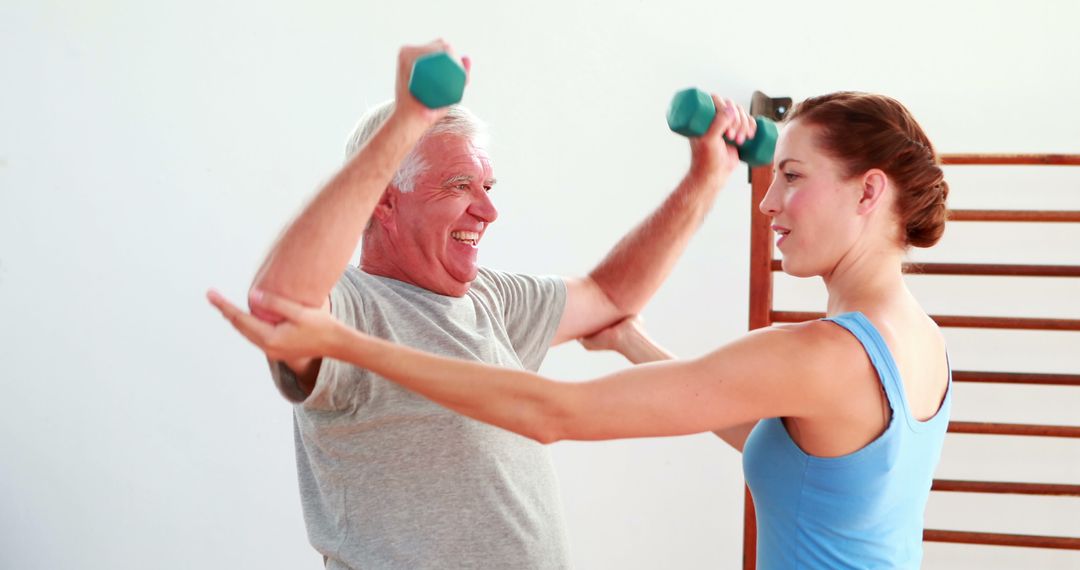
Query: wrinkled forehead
(455, 155)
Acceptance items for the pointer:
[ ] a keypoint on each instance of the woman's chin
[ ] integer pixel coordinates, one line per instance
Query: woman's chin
(795, 269)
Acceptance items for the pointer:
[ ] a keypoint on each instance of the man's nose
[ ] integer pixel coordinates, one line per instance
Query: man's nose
(483, 208)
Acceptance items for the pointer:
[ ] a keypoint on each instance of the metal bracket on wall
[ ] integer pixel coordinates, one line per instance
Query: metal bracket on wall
(774, 108)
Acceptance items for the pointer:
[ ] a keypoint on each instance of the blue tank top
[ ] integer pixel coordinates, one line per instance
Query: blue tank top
(861, 510)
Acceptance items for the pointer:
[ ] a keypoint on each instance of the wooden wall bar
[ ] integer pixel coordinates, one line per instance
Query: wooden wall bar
(763, 314)
(1007, 159)
(958, 321)
(984, 269)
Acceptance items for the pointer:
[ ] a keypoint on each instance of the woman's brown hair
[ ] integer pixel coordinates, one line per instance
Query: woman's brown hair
(866, 131)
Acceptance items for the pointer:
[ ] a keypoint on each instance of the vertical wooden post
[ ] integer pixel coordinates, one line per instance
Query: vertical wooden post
(761, 302)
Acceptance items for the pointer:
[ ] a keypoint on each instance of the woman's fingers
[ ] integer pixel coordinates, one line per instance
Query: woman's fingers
(248, 325)
(287, 308)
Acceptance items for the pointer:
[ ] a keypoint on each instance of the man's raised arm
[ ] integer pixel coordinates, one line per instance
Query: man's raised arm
(310, 255)
(313, 251)
(624, 281)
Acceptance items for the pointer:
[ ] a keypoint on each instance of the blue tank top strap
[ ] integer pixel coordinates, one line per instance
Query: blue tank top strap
(883, 362)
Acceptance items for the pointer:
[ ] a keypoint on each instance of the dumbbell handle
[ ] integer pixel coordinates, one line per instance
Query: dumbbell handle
(437, 80)
(692, 112)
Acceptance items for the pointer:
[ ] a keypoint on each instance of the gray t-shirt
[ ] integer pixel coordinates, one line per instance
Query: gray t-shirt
(388, 478)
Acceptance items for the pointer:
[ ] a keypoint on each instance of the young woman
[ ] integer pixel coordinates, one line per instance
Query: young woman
(840, 420)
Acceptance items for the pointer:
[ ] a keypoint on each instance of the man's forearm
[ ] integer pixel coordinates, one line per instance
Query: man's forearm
(637, 266)
(315, 248)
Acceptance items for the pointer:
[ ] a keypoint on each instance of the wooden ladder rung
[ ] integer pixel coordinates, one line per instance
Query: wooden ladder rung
(980, 269)
(992, 269)
(1048, 489)
(1014, 429)
(1015, 323)
(999, 539)
(1027, 378)
(1003, 159)
(1054, 216)
(957, 321)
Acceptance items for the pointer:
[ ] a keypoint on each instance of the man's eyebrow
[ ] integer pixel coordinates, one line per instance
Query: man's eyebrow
(458, 179)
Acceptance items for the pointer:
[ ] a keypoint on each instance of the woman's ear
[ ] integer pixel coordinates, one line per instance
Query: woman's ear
(874, 186)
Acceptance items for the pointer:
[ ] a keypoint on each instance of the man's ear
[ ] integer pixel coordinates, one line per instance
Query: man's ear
(386, 207)
(874, 185)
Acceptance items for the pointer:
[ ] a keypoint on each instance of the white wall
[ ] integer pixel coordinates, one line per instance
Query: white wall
(149, 151)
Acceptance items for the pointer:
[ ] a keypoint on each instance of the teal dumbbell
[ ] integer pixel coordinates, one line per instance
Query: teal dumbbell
(692, 111)
(437, 80)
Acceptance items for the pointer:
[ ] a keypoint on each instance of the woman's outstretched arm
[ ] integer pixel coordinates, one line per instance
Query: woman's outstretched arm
(628, 338)
(764, 374)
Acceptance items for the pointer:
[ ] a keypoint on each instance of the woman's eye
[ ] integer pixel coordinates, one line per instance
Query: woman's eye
(790, 176)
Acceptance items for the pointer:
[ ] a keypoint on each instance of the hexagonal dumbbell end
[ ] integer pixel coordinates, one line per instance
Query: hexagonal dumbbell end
(691, 112)
(759, 150)
(437, 80)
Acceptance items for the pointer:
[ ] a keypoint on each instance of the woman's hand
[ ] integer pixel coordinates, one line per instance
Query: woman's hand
(613, 337)
(305, 332)
(628, 338)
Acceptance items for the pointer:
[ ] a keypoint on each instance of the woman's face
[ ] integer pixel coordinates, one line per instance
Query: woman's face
(811, 203)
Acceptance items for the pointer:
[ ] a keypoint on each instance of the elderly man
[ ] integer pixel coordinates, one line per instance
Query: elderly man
(389, 479)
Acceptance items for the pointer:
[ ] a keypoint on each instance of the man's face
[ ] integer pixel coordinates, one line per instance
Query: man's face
(435, 229)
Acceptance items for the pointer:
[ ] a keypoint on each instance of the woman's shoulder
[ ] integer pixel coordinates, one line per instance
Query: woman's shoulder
(817, 339)
(826, 355)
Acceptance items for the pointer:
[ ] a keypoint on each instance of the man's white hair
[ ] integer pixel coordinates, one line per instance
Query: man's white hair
(458, 121)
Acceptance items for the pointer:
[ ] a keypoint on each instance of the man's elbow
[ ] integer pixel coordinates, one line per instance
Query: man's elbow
(257, 309)
(545, 434)
(617, 301)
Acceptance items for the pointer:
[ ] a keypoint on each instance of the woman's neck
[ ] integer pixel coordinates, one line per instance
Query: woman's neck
(870, 278)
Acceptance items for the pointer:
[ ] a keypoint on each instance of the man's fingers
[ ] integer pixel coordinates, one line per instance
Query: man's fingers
(438, 44)
(723, 118)
(733, 119)
(747, 123)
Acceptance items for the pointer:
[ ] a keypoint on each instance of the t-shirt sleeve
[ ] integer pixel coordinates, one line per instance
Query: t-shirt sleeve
(532, 307)
(331, 389)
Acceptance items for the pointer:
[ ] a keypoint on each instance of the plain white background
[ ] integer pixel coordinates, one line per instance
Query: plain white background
(150, 150)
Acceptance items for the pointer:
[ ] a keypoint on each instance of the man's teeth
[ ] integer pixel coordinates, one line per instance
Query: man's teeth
(467, 237)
